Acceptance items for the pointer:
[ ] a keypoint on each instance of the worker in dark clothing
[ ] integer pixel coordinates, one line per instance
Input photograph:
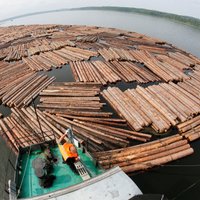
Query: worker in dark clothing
(43, 166)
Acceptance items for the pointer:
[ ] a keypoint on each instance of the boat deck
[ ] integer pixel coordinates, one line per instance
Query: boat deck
(65, 177)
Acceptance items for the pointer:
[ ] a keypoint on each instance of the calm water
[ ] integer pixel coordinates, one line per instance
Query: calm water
(180, 35)
(171, 179)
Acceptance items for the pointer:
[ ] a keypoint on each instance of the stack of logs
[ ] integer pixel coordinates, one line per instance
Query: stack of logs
(12, 75)
(16, 52)
(191, 86)
(106, 72)
(44, 61)
(47, 60)
(22, 128)
(160, 105)
(129, 71)
(64, 97)
(145, 156)
(184, 59)
(190, 129)
(98, 134)
(97, 71)
(162, 50)
(165, 70)
(26, 89)
(48, 46)
(164, 66)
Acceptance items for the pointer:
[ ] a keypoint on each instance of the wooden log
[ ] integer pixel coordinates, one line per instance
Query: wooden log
(115, 132)
(133, 158)
(98, 134)
(158, 105)
(138, 148)
(158, 161)
(190, 124)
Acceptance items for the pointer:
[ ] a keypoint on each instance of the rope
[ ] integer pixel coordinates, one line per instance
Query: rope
(24, 171)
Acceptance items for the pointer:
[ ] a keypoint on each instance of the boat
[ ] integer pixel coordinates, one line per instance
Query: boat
(90, 181)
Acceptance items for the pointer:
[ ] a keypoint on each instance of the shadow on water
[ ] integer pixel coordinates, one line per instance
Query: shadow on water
(178, 180)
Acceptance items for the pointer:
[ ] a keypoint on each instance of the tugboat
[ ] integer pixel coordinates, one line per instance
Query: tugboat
(42, 174)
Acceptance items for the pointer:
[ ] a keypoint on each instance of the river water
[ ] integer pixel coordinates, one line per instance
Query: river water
(176, 180)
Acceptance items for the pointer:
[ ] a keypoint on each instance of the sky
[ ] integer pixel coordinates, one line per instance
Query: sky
(10, 8)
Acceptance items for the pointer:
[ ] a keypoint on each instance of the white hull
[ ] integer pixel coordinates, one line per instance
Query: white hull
(113, 184)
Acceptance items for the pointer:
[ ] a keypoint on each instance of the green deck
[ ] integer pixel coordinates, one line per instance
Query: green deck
(65, 177)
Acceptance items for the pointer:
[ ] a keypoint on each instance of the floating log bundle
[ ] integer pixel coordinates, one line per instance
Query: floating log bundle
(166, 69)
(96, 71)
(14, 34)
(23, 129)
(26, 90)
(116, 54)
(155, 49)
(187, 60)
(191, 86)
(72, 53)
(16, 52)
(106, 72)
(57, 58)
(129, 71)
(48, 46)
(96, 136)
(175, 63)
(160, 106)
(73, 99)
(145, 156)
(133, 115)
(71, 96)
(12, 75)
(190, 129)
(44, 61)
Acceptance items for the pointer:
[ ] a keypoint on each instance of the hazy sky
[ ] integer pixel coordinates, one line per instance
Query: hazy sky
(11, 8)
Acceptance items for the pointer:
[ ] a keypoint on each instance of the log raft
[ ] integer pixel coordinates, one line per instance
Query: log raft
(77, 97)
(23, 93)
(124, 56)
(145, 156)
(160, 106)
